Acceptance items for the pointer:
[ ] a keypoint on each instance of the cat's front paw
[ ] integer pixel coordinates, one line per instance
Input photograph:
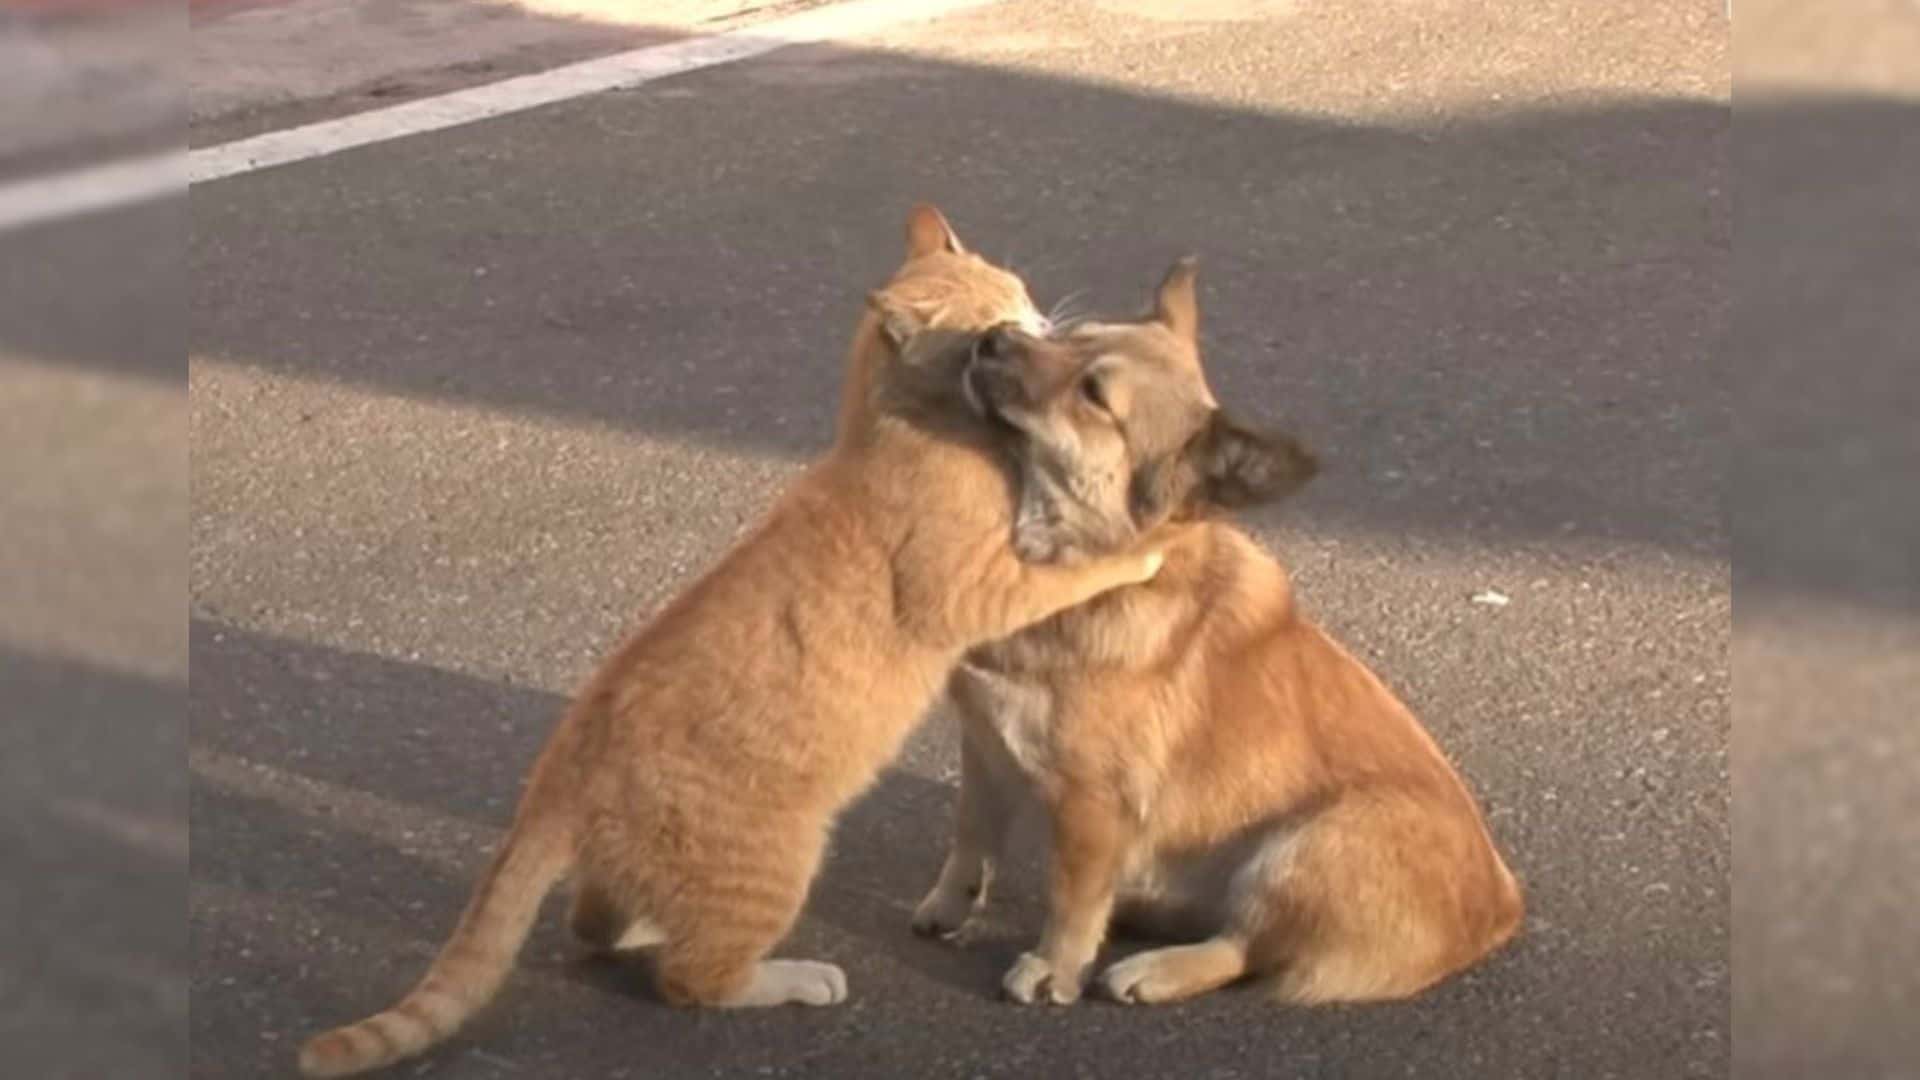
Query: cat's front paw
(1033, 979)
(1150, 565)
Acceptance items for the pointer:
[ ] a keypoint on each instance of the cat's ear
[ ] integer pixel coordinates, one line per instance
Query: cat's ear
(928, 232)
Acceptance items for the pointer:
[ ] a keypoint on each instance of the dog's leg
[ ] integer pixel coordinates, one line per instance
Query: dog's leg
(1175, 972)
(1089, 838)
(980, 829)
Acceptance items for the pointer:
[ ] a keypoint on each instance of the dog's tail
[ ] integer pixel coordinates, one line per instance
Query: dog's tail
(471, 966)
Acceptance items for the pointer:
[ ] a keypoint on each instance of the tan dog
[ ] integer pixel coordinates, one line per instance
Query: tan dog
(691, 785)
(1217, 770)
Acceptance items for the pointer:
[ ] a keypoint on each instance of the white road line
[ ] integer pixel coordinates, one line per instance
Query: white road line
(38, 199)
(616, 72)
(137, 180)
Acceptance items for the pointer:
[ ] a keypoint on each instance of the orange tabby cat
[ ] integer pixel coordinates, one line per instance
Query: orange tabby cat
(691, 785)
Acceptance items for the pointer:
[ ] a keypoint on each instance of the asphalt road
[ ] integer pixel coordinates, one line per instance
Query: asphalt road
(1828, 649)
(466, 405)
(93, 648)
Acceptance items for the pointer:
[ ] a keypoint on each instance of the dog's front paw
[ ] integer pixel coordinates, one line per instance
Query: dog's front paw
(1032, 979)
(943, 914)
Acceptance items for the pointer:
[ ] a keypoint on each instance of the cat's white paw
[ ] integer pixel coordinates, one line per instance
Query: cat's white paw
(796, 982)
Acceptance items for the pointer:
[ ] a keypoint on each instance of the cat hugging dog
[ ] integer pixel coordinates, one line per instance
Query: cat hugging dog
(985, 478)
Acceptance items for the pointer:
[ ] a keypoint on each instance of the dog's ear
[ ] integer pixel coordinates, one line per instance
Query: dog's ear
(1225, 466)
(1238, 467)
(928, 232)
(898, 321)
(1174, 304)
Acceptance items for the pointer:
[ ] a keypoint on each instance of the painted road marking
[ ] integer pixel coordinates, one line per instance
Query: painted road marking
(617, 72)
(136, 180)
(84, 191)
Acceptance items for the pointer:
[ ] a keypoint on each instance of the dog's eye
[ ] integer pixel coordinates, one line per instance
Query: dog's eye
(1095, 394)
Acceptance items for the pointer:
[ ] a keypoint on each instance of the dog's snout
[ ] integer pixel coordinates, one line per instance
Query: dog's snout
(999, 344)
(994, 380)
(1015, 370)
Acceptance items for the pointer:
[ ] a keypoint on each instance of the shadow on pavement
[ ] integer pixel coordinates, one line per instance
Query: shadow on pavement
(1509, 326)
(106, 292)
(1824, 353)
(343, 804)
(93, 838)
(357, 798)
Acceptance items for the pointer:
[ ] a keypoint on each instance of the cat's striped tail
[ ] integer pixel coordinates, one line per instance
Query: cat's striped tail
(471, 966)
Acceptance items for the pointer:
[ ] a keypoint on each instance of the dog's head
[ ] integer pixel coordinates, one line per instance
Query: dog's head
(1121, 431)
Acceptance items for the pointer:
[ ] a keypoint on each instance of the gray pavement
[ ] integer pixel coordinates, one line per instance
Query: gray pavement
(93, 947)
(1828, 647)
(93, 648)
(1828, 651)
(466, 405)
